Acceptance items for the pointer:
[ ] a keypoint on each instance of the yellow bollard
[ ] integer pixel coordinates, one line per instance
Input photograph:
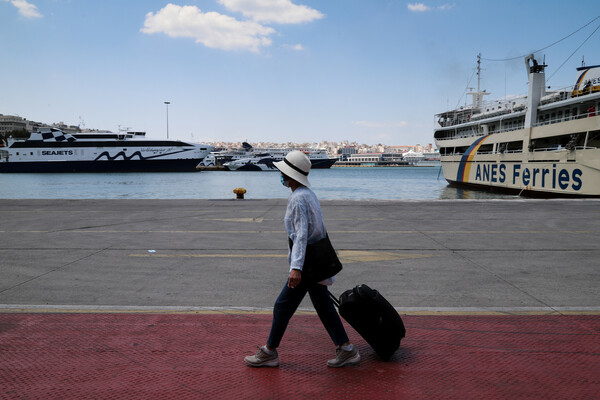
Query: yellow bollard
(239, 192)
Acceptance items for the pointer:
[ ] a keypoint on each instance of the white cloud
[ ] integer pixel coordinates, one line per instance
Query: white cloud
(26, 9)
(444, 7)
(277, 11)
(211, 29)
(418, 7)
(371, 124)
(296, 47)
(421, 7)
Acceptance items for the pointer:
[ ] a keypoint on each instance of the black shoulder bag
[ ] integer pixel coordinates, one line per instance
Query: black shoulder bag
(320, 262)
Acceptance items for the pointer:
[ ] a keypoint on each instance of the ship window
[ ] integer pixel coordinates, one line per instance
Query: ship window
(511, 147)
(485, 149)
(593, 139)
(569, 141)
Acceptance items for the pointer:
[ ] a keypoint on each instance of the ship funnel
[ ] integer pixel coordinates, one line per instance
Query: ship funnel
(537, 88)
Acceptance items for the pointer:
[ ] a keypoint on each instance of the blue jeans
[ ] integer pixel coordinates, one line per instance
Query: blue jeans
(289, 300)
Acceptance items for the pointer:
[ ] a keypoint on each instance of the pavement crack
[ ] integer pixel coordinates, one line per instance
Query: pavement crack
(52, 270)
(488, 271)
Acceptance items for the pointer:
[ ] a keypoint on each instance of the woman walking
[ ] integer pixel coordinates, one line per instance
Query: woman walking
(304, 225)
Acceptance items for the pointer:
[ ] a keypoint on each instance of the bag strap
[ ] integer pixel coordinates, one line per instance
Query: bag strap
(335, 300)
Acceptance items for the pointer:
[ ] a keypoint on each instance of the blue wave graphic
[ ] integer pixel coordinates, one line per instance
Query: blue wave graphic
(137, 153)
(119, 154)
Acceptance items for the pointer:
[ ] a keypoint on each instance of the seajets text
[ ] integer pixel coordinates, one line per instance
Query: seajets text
(541, 177)
(57, 152)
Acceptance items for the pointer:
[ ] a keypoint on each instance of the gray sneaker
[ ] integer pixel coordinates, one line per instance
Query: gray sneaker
(262, 359)
(344, 357)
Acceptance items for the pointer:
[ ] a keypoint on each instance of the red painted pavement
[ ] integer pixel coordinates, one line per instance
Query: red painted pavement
(174, 356)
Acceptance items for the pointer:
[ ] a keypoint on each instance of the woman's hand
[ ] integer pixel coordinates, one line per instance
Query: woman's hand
(295, 278)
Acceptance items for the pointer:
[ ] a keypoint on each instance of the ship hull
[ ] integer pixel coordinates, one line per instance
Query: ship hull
(250, 167)
(538, 194)
(173, 165)
(51, 150)
(322, 163)
(564, 173)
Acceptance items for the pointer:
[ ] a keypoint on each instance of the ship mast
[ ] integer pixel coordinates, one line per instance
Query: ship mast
(478, 95)
(479, 81)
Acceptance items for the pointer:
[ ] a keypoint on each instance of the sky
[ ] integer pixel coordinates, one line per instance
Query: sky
(370, 71)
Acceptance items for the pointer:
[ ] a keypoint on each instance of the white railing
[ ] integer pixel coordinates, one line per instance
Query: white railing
(569, 118)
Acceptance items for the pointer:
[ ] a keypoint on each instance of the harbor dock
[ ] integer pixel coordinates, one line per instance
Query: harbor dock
(161, 299)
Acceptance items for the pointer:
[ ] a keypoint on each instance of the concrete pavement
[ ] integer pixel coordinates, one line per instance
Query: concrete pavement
(142, 299)
(184, 253)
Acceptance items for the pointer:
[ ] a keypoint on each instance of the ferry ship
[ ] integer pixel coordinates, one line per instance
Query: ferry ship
(318, 157)
(51, 150)
(259, 162)
(543, 144)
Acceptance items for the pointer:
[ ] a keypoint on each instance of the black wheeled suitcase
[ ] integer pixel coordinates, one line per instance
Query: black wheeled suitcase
(373, 317)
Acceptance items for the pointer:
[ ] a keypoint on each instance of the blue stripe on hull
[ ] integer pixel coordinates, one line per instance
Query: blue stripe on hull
(322, 163)
(181, 165)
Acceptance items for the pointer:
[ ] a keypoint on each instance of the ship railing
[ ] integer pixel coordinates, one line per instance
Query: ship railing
(463, 136)
(556, 120)
(547, 149)
(557, 95)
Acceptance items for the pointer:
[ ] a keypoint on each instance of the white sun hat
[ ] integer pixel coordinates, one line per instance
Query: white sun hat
(296, 165)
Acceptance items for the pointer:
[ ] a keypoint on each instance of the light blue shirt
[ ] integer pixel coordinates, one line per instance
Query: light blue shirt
(304, 224)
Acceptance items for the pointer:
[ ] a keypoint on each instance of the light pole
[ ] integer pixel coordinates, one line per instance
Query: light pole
(167, 104)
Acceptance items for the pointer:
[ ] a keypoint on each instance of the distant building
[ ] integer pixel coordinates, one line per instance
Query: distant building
(9, 123)
(376, 159)
(67, 128)
(363, 158)
(346, 151)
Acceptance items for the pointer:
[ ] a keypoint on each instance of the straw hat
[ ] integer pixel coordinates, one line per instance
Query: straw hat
(296, 165)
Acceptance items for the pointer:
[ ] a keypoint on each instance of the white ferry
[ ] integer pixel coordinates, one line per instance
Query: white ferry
(318, 157)
(412, 157)
(51, 150)
(260, 162)
(544, 144)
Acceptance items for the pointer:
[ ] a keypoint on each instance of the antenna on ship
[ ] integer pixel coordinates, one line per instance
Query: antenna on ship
(479, 80)
(478, 95)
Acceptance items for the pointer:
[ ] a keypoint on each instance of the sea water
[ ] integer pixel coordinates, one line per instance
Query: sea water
(347, 183)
